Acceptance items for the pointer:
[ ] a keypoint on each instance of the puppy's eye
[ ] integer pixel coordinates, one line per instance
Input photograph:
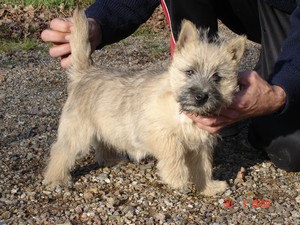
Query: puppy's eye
(216, 77)
(189, 73)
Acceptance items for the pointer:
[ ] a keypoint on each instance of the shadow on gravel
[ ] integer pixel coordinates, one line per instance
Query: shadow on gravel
(81, 171)
(233, 153)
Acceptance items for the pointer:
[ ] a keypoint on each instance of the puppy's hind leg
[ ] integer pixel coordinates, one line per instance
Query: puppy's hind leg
(74, 139)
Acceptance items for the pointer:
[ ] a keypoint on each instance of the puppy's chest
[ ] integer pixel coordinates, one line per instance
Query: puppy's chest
(191, 134)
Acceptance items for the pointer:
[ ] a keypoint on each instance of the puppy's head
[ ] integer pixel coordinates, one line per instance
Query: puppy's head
(203, 73)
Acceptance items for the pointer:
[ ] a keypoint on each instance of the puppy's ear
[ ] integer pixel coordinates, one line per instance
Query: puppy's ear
(188, 33)
(236, 48)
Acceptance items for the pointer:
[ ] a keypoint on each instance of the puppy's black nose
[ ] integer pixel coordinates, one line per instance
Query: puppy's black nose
(201, 98)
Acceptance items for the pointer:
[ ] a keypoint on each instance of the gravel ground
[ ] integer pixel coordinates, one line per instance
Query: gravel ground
(32, 92)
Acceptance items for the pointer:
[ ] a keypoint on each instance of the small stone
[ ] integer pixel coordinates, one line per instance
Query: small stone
(238, 181)
(67, 194)
(93, 190)
(1, 78)
(249, 195)
(168, 203)
(190, 206)
(185, 191)
(67, 223)
(47, 192)
(147, 166)
(129, 209)
(278, 220)
(286, 214)
(241, 174)
(160, 216)
(58, 189)
(129, 214)
(295, 214)
(220, 220)
(88, 195)
(221, 201)
(102, 177)
(90, 214)
(256, 168)
(268, 164)
(298, 199)
(5, 215)
(110, 202)
(228, 193)
(14, 191)
(6, 201)
(78, 209)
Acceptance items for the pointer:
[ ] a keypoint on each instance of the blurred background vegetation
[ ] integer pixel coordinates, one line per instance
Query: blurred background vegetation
(48, 3)
(21, 21)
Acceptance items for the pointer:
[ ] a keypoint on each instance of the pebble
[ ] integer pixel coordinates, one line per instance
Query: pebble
(298, 199)
(47, 192)
(110, 202)
(295, 214)
(228, 193)
(241, 173)
(221, 201)
(160, 216)
(6, 215)
(88, 195)
(107, 180)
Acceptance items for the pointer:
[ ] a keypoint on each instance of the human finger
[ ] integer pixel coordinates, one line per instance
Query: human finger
(66, 62)
(55, 36)
(231, 112)
(60, 50)
(209, 129)
(61, 25)
(208, 121)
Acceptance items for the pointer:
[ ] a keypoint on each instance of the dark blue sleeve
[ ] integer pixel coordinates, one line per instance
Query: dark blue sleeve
(120, 18)
(287, 67)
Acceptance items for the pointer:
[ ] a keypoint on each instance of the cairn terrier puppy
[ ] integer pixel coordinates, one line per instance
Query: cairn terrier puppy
(140, 113)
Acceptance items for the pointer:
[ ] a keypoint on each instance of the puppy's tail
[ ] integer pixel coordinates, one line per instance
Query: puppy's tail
(80, 45)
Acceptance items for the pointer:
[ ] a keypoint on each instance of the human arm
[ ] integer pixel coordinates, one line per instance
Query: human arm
(120, 18)
(287, 67)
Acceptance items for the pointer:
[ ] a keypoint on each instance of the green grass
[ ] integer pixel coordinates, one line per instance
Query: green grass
(143, 30)
(49, 3)
(13, 45)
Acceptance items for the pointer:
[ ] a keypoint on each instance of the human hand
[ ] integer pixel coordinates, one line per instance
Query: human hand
(256, 98)
(59, 34)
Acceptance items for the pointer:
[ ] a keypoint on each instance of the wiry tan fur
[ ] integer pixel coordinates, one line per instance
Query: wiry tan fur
(141, 113)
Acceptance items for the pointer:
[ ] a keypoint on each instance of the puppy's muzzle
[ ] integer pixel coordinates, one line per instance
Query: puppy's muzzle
(201, 98)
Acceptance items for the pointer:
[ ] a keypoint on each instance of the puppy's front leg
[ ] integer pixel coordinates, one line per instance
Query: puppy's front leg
(172, 164)
(200, 166)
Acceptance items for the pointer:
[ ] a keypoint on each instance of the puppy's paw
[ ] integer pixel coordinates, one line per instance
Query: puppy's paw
(214, 187)
(57, 183)
(52, 180)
